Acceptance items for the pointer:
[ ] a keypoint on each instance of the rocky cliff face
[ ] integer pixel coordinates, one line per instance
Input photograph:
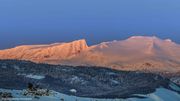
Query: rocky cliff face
(134, 53)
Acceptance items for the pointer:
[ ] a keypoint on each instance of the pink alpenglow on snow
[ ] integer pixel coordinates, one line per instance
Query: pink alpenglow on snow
(134, 53)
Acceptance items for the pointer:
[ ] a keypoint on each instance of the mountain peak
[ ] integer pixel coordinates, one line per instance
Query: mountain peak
(144, 37)
(81, 41)
(149, 39)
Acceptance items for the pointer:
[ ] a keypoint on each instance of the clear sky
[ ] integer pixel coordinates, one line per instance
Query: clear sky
(48, 21)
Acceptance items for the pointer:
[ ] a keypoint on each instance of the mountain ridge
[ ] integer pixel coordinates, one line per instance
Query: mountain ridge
(134, 53)
(44, 51)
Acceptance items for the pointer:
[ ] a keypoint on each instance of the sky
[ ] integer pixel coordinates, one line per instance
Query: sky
(49, 21)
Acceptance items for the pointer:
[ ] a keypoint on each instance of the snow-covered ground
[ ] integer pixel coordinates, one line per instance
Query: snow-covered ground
(161, 94)
(35, 76)
(38, 77)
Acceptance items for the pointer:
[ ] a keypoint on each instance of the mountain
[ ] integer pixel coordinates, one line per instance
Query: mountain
(43, 53)
(135, 53)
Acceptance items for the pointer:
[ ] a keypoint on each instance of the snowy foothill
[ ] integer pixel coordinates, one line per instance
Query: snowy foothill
(161, 94)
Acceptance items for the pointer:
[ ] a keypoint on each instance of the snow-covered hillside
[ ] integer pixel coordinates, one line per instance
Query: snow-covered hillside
(82, 81)
(44, 82)
(161, 94)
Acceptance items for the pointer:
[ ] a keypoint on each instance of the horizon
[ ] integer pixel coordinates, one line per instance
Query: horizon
(37, 22)
(88, 43)
(5, 44)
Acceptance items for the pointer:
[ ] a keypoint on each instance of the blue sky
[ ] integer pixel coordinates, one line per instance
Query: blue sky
(48, 21)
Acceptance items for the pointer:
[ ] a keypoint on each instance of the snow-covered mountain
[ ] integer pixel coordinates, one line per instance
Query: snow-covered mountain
(43, 53)
(134, 53)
